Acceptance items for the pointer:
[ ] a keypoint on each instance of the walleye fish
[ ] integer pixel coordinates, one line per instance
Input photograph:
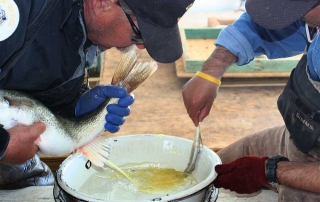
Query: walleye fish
(64, 136)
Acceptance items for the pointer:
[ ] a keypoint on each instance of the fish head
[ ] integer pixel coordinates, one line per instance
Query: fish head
(6, 118)
(13, 110)
(14, 99)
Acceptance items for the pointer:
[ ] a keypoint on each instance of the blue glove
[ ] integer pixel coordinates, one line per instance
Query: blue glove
(116, 112)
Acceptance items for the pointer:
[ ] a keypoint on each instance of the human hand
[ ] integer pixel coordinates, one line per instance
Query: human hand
(22, 145)
(198, 96)
(116, 112)
(245, 175)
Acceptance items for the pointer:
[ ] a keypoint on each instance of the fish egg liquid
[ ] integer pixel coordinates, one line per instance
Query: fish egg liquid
(149, 181)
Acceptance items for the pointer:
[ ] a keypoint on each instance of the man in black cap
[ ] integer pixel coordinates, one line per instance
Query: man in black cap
(285, 158)
(46, 47)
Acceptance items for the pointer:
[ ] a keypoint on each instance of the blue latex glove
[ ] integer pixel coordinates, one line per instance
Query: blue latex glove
(116, 112)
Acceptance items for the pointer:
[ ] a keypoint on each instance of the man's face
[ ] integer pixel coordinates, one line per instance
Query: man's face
(313, 17)
(108, 27)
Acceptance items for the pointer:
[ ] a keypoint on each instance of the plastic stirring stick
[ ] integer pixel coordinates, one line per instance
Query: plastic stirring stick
(121, 171)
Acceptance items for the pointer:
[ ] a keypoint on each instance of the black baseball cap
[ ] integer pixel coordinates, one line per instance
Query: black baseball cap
(158, 24)
(277, 14)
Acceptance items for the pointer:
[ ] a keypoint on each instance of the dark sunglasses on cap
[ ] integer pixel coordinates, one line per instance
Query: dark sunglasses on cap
(137, 38)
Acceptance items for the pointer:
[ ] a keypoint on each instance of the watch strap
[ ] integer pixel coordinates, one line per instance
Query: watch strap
(271, 168)
(4, 141)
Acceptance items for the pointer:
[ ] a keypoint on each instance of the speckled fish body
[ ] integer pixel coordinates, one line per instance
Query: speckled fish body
(62, 135)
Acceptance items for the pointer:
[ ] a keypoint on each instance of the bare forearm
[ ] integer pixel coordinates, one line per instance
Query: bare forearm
(218, 62)
(300, 175)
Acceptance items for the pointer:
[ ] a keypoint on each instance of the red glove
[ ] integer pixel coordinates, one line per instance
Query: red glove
(245, 175)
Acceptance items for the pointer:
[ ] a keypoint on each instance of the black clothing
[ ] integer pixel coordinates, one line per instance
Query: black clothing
(4, 141)
(299, 106)
(31, 173)
(52, 68)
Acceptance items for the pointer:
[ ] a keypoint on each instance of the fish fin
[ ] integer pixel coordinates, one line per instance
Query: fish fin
(129, 73)
(126, 63)
(96, 151)
(138, 74)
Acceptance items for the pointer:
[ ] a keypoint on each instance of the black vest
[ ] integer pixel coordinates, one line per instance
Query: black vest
(299, 105)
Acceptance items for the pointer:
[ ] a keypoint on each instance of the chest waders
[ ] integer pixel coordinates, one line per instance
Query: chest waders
(299, 105)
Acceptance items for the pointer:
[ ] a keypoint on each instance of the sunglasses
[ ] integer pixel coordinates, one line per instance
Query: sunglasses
(137, 38)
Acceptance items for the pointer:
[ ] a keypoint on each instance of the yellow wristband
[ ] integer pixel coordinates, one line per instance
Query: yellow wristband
(209, 78)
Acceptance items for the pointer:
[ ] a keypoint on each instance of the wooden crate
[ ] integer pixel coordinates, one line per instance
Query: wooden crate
(53, 162)
(198, 44)
(96, 71)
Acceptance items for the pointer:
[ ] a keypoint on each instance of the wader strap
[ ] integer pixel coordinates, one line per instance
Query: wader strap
(31, 33)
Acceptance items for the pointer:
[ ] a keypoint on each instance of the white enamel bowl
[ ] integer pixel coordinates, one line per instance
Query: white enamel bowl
(166, 150)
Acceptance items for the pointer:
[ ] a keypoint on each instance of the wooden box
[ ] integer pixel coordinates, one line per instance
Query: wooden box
(198, 44)
(53, 162)
(96, 71)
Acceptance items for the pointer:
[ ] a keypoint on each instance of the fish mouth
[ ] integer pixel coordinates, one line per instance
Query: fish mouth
(5, 101)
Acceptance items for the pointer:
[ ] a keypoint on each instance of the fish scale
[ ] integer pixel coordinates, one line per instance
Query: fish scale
(64, 136)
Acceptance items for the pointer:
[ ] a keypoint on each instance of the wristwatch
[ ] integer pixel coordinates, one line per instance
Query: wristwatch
(4, 141)
(271, 168)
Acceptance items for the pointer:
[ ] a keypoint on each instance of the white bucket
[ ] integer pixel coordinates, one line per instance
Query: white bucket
(163, 149)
